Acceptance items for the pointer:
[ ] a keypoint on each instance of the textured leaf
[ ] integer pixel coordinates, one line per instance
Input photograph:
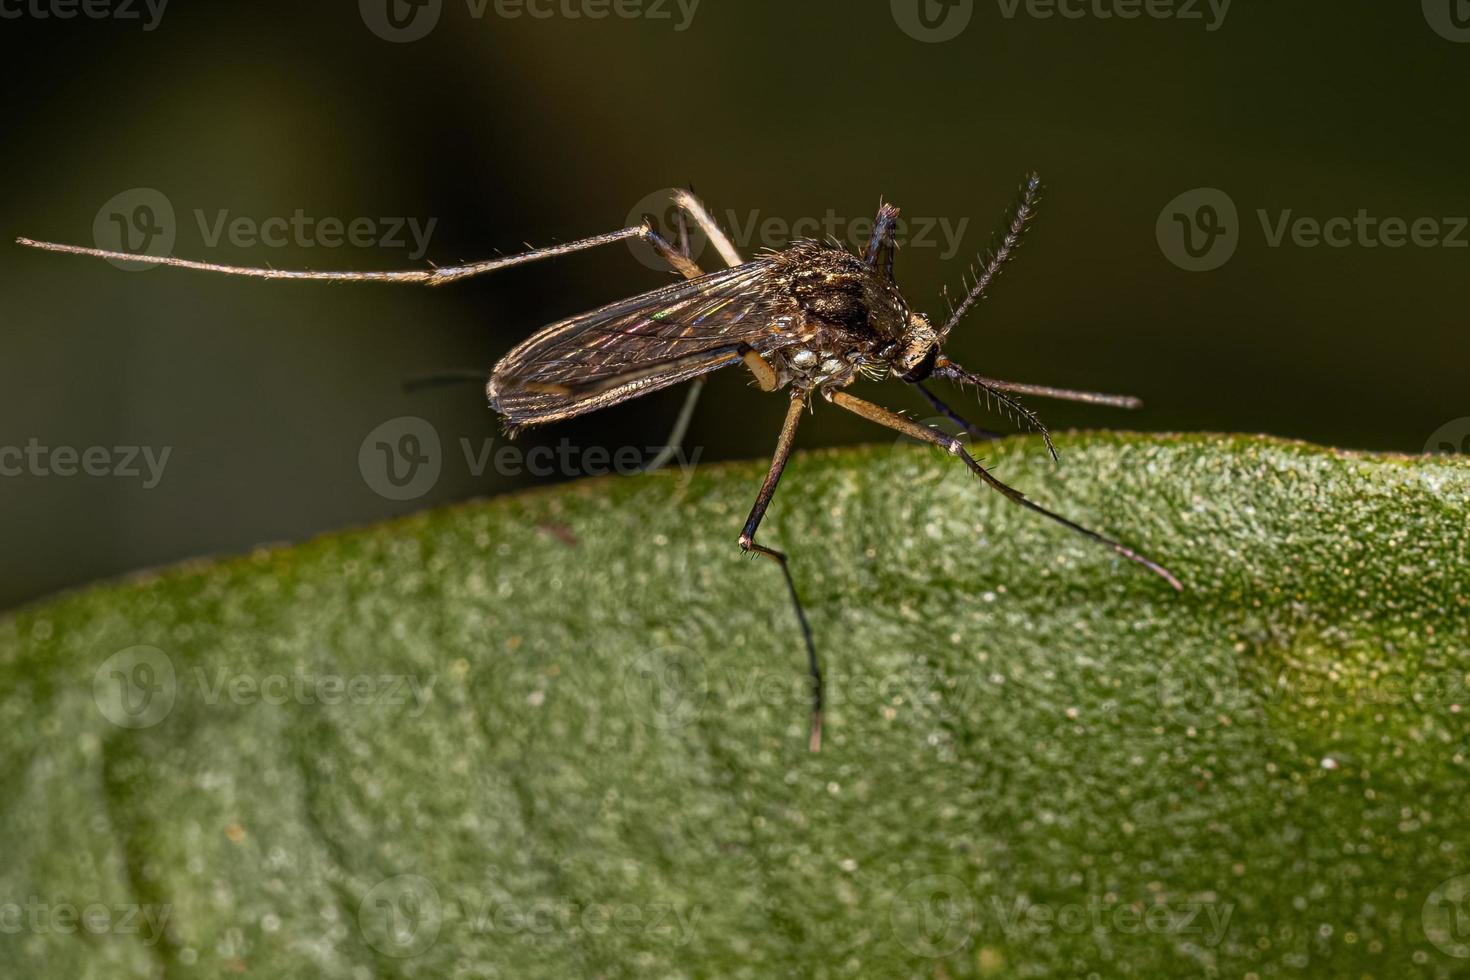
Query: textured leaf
(1039, 760)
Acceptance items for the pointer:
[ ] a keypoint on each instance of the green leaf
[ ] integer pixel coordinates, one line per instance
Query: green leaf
(1039, 760)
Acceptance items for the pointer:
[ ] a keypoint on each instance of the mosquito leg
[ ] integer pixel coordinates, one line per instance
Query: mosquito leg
(675, 440)
(678, 258)
(690, 205)
(748, 543)
(765, 375)
(683, 262)
(876, 413)
(695, 208)
(974, 431)
(423, 277)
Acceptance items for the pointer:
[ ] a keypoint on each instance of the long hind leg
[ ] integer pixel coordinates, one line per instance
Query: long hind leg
(678, 257)
(688, 204)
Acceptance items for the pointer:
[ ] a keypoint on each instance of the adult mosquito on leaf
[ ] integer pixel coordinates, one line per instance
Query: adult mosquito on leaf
(811, 319)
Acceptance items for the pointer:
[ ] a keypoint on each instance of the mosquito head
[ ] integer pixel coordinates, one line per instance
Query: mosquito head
(918, 351)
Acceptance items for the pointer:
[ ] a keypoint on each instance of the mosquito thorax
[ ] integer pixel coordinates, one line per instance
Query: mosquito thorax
(836, 291)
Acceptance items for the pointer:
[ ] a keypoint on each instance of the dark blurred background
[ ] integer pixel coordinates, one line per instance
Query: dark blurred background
(503, 127)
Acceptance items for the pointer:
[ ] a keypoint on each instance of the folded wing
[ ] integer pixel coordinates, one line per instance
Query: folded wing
(642, 344)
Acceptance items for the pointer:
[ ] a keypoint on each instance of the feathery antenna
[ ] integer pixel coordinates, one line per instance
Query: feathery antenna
(1001, 250)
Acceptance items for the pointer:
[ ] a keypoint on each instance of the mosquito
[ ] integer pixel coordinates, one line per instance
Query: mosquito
(811, 318)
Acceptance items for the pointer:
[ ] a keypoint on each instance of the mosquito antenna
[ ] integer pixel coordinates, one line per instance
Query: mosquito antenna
(1061, 394)
(950, 371)
(1001, 250)
(440, 379)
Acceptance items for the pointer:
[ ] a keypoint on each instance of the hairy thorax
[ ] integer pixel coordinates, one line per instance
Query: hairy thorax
(851, 319)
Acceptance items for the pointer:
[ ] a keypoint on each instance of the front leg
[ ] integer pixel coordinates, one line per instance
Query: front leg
(749, 545)
(881, 415)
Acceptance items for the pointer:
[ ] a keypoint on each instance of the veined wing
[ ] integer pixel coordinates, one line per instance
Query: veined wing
(642, 344)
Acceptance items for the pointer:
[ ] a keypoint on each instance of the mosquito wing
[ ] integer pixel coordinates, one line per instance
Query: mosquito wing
(642, 344)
